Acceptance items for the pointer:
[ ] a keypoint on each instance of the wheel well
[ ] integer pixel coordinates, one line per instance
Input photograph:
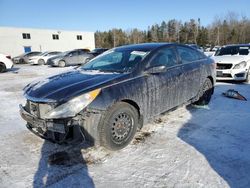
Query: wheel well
(3, 69)
(2, 64)
(211, 79)
(135, 105)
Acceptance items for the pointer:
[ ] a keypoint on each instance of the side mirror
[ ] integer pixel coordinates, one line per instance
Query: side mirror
(157, 69)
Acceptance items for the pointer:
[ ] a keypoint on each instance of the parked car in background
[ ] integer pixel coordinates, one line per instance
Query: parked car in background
(24, 58)
(74, 57)
(5, 62)
(42, 58)
(83, 49)
(233, 62)
(109, 98)
(211, 51)
(98, 51)
(197, 47)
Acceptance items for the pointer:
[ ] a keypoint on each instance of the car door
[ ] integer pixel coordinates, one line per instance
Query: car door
(72, 58)
(191, 65)
(164, 87)
(82, 57)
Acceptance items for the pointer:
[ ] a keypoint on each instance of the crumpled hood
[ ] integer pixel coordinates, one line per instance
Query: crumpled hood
(60, 88)
(230, 59)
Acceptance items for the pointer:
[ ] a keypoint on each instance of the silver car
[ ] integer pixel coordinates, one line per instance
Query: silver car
(74, 57)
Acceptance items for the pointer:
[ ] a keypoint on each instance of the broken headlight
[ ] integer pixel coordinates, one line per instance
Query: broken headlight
(240, 65)
(73, 106)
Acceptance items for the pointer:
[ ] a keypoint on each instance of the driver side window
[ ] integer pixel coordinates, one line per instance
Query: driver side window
(164, 57)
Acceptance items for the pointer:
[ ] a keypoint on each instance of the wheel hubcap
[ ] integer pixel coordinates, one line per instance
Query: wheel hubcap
(121, 127)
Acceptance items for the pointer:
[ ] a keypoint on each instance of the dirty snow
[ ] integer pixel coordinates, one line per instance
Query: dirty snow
(188, 147)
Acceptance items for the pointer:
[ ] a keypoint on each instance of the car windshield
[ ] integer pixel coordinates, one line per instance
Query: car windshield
(116, 61)
(233, 50)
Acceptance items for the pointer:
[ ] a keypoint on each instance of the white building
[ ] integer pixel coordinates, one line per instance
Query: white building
(15, 41)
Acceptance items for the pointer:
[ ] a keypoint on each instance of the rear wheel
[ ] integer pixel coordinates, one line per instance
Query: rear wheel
(41, 62)
(61, 63)
(205, 93)
(2, 67)
(118, 126)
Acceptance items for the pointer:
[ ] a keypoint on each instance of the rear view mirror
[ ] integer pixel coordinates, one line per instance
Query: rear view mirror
(157, 69)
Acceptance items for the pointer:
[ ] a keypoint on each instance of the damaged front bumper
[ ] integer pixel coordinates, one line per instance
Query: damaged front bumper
(65, 130)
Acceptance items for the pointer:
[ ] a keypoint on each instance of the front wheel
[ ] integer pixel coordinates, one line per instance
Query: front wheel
(118, 126)
(205, 93)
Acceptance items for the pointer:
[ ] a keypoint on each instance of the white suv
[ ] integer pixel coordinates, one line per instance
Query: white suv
(233, 62)
(5, 62)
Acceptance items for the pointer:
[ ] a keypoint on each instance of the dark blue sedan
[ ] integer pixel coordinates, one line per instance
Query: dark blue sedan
(108, 99)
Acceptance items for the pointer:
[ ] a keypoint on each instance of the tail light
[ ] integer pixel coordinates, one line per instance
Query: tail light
(8, 56)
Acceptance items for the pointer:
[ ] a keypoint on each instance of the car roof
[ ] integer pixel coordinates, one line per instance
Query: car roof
(143, 46)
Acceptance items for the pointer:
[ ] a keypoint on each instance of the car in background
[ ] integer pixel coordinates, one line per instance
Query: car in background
(109, 98)
(197, 47)
(83, 49)
(5, 62)
(24, 58)
(211, 51)
(98, 51)
(233, 62)
(73, 57)
(42, 58)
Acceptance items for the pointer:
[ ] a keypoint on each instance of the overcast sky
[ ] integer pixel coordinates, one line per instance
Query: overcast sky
(107, 14)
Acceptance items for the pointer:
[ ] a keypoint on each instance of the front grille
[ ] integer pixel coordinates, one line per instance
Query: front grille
(38, 109)
(223, 66)
(225, 76)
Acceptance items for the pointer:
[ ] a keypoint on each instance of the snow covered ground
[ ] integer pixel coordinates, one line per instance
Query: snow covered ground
(188, 147)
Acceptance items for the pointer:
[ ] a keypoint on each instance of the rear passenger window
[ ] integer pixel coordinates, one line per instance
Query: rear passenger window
(166, 57)
(188, 55)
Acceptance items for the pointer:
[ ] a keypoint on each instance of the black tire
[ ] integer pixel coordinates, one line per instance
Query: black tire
(2, 68)
(205, 93)
(41, 62)
(118, 126)
(61, 63)
(21, 61)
